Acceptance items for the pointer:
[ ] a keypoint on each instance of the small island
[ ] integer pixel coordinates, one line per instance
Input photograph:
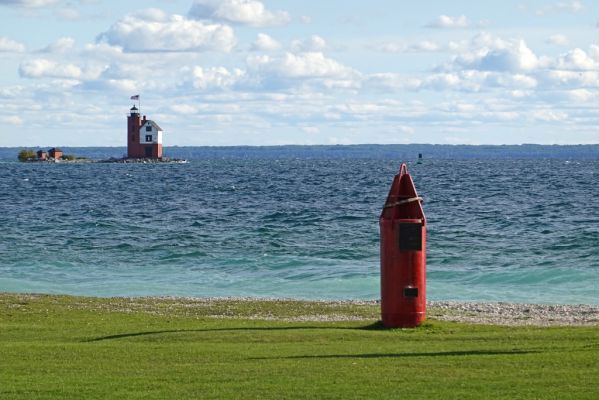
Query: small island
(144, 145)
(53, 155)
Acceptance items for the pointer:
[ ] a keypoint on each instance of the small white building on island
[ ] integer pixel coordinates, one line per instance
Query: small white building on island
(150, 133)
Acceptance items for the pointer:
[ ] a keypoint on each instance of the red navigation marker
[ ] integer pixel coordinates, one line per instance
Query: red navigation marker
(403, 255)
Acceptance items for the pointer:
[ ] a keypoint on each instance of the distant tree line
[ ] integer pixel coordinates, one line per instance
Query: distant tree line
(30, 155)
(27, 155)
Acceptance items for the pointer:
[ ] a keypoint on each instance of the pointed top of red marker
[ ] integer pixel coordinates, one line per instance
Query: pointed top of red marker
(403, 200)
(403, 170)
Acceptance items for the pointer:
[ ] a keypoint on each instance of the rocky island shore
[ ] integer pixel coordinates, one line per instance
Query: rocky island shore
(163, 160)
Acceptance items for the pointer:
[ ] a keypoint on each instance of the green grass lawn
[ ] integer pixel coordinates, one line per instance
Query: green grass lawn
(87, 348)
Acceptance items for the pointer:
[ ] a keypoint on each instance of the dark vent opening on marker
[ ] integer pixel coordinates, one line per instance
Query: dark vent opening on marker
(410, 292)
(410, 237)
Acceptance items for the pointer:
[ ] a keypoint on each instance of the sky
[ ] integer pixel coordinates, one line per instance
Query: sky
(265, 72)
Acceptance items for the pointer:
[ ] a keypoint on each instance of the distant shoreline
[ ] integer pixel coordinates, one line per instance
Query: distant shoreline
(404, 152)
(505, 314)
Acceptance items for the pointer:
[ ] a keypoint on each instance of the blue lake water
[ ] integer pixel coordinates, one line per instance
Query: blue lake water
(296, 226)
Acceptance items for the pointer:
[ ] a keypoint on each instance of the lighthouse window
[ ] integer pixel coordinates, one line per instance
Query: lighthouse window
(149, 128)
(148, 138)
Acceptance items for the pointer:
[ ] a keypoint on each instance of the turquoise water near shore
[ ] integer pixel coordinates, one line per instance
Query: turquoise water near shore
(296, 226)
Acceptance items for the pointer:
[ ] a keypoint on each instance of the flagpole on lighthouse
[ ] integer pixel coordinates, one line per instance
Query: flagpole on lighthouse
(138, 98)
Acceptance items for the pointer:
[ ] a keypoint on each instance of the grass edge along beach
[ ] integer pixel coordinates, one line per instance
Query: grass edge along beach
(84, 347)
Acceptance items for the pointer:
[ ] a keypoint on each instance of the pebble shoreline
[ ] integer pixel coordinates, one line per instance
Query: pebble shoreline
(515, 314)
(288, 309)
(507, 314)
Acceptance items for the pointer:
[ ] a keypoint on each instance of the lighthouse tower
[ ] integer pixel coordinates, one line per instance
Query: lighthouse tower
(144, 137)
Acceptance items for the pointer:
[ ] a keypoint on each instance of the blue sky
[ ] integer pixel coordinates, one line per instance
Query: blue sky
(262, 72)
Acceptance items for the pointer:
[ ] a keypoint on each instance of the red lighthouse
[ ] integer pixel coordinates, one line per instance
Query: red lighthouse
(144, 137)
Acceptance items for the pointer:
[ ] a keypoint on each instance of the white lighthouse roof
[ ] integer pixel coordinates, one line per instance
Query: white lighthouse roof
(153, 124)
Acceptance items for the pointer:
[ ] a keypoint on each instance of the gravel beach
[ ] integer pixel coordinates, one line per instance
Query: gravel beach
(509, 314)
(515, 314)
(276, 309)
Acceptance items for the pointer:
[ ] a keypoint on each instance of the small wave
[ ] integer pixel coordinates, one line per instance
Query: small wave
(180, 256)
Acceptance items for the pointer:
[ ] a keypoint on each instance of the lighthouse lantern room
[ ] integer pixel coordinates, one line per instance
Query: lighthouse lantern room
(144, 137)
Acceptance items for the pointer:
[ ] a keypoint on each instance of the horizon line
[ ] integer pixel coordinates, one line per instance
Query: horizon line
(321, 145)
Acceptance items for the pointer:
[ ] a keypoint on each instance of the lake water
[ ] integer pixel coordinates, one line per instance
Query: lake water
(296, 226)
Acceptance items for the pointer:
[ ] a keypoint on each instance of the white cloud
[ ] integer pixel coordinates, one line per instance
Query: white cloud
(392, 81)
(123, 85)
(577, 59)
(521, 94)
(304, 19)
(12, 120)
(68, 12)
(243, 12)
(184, 108)
(442, 81)
(448, 22)
(480, 80)
(216, 77)
(126, 86)
(307, 71)
(311, 129)
(12, 91)
(62, 45)
(152, 30)
(580, 95)
(423, 46)
(515, 57)
(103, 51)
(10, 46)
(489, 62)
(125, 70)
(572, 6)
(594, 51)
(462, 80)
(313, 44)
(264, 42)
(570, 79)
(408, 130)
(460, 107)
(516, 81)
(558, 40)
(302, 65)
(548, 115)
(389, 47)
(42, 68)
(488, 53)
(485, 40)
(28, 3)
